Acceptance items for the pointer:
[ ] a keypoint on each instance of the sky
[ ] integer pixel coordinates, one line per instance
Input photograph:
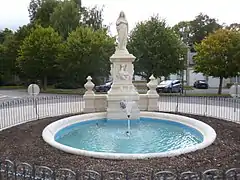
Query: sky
(14, 13)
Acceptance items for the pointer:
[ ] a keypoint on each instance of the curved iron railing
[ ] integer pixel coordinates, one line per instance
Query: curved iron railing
(19, 111)
(15, 171)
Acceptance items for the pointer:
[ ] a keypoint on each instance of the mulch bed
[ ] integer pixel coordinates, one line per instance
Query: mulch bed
(24, 143)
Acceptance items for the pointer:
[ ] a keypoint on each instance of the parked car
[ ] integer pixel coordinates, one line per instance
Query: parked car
(201, 84)
(169, 86)
(104, 87)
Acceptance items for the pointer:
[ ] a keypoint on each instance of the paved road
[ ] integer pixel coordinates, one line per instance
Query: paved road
(7, 95)
(14, 98)
(20, 97)
(212, 101)
(207, 91)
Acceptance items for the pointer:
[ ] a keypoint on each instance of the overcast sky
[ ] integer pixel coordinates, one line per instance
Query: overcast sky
(14, 13)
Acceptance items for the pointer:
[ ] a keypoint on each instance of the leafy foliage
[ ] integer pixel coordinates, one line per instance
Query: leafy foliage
(92, 17)
(4, 33)
(40, 11)
(219, 55)
(234, 27)
(11, 42)
(79, 3)
(8, 56)
(183, 29)
(38, 53)
(157, 49)
(65, 18)
(32, 9)
(86, 52)
(202, 26)
(196, 30)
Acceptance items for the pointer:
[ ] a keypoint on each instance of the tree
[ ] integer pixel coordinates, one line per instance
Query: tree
(218, 55)
(32, 9)
(9, 51)
(4, 33)
(202, 26)
(38, 54)
(86, 52)
(23, 31)
(79, 3)
(8, 58)
(40, 11)
(4, 72)
(65, 18)
(196, 30)
(234, 27)
(183, 29)
(92, 17)
(157, 49)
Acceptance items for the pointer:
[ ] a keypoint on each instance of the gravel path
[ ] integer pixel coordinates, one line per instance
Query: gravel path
(24, 143)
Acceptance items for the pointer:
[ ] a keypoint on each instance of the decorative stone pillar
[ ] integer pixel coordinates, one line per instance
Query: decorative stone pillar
(122, 71)
(89, 96)
(152, 94)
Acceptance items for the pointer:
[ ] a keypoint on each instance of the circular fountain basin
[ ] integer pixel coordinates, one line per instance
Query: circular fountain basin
(153, 135)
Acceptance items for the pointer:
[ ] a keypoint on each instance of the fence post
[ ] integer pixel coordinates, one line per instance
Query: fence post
(35, 105)
(235, 103)
(33, 172)
(126, 175)
(176, 110)
(206, 106)
(0, 170)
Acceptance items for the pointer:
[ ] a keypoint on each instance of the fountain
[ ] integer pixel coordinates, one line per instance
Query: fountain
(123, 131)
(127, 106)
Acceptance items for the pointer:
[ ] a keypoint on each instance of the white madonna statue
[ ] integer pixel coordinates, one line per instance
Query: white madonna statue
(122, 29)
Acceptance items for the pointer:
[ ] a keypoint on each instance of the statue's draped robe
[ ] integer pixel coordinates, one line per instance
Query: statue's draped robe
(122, 29)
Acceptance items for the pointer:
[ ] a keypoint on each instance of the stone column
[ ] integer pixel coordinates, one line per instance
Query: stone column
(152, 94)
(122, 71)
(89, 96)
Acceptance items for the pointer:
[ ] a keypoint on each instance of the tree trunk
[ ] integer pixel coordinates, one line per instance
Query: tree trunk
(45, 83)
(220, 85)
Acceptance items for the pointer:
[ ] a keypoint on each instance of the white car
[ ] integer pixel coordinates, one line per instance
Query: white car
(169, 86)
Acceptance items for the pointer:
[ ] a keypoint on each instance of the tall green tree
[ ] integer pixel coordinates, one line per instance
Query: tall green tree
(86, 52)
(40, 11)
(38, 54)
(33, 8)
(79, 3)
(4, 66)
(4, 34)
(219, 55)
(234, 27)
(66, 17)
(183, 29)
(9, 52)
(8, 58)
(196, 30)
(92, 17)
(202, 26)
(157, 49)
(13, 45)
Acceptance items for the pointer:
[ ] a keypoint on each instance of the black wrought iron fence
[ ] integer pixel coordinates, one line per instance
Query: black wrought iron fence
(23, 110)
(19, 111)
(219, 107)
(15, 171)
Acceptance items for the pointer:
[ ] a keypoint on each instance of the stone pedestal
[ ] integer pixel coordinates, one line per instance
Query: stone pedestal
(122, 71)
(152, 94)
(89, 96)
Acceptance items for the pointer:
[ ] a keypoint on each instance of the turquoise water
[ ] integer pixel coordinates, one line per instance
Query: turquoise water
(146, 136)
